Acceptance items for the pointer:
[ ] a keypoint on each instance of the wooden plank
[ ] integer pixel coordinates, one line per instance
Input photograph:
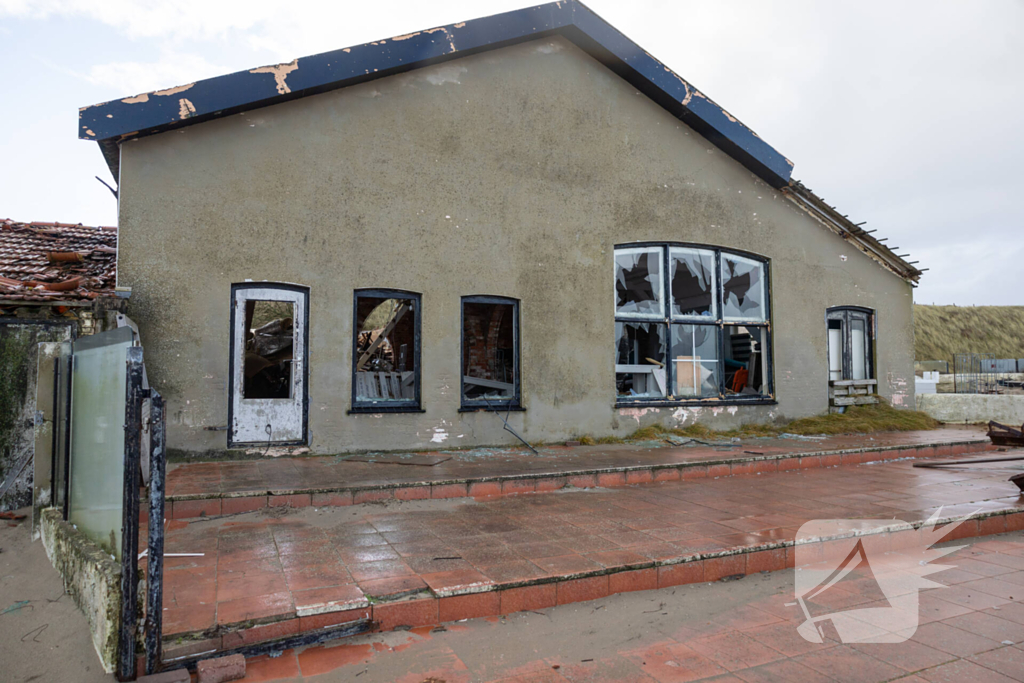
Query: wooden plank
(853, 400)
(489, 383)
(642, 369)
(399, 312)
(853, 382)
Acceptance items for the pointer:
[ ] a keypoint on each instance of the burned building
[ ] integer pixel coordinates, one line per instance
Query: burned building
(524, 213)
(56, 284)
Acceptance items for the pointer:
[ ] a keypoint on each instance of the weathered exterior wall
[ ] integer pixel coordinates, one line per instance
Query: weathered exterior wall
(973, 408)
(510, 173)
(91, 578)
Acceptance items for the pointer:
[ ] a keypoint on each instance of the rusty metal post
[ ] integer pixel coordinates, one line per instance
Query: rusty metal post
(155, 561)
(134, 395)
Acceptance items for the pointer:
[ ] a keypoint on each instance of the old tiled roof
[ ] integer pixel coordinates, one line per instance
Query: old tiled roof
(56, 261)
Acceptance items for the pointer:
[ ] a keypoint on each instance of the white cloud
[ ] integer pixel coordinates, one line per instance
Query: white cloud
(172, 69)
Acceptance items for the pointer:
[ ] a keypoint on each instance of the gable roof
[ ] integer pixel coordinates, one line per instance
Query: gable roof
(55, 262)
(112, 122)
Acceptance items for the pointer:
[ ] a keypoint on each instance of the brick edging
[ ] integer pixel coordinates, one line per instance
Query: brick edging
(190, 506)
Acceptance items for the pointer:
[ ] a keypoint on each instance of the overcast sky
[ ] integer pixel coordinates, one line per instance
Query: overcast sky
(907, 115)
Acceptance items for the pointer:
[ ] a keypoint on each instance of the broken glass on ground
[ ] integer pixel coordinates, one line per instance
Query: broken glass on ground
(692, 280)
(640, 360)
(638, 288)
(745, 365)
(269, 340)
(488, 351)
(743, 288)
(385, 349)
(695, 358)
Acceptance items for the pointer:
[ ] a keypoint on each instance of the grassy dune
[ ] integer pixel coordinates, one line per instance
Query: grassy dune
(941, 331)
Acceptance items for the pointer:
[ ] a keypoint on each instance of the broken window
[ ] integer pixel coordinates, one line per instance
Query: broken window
(695, 360)
(692, 326)
(745, 360)
(850, 337)
(269, 343)
(490, 351)
(638, 282)
(692, 273)
(640, 360)
(386, 350)
(743, 289)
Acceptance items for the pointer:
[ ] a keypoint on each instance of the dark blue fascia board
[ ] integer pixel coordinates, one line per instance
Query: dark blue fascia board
(111, 122)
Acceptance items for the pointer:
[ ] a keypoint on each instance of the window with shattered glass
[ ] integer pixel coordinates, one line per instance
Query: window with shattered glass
(639, 290)
(691, 324)
(490, 352)
(386, 350)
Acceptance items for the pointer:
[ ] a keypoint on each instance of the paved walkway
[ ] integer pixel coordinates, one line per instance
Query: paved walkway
(300, 567)
(743, 631)
(297, 474)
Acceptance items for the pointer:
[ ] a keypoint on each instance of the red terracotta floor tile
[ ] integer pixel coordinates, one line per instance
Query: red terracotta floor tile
(324, 659)
(254, 607)
(783, 670)
(843, 663)
(734, 650)
(264, 668)
(962, 671)
(955, 641)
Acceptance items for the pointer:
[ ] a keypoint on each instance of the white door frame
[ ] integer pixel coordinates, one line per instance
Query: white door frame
(289, 415)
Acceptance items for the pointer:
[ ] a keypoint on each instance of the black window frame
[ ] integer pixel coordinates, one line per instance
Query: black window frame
(846, 314)
(767, 397)
(473, 405)
(413, 405)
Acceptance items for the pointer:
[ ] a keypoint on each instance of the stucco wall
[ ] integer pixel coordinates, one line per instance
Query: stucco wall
(511, 173)
(973, 408)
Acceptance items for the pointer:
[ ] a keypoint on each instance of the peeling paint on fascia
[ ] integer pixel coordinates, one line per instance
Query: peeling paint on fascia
(461, 24)
(346, 49)
(733, 118)
(138, 99)
(185, 108)
(280, 72)
(407, 36)
(451, 41)
(172, 91)
(90, 133)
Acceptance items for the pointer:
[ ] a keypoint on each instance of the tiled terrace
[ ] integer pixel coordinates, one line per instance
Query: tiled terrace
(214, 488)
(275, 573)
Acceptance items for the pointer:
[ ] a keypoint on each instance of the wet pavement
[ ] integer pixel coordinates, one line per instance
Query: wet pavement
(301, 566)
(740, 631)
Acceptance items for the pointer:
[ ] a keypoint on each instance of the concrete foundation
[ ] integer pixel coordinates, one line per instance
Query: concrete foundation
(973, 408)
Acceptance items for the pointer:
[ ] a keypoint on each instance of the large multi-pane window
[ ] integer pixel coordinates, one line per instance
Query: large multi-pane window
(691, 323)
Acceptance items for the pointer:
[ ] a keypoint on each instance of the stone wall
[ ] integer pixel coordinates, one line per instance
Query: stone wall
(91, 577)
(973, 408)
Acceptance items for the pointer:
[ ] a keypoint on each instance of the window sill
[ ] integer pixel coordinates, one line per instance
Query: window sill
(380, 410)
(756, 401)
(494, 409)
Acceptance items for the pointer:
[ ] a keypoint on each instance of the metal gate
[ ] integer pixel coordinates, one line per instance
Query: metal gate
(971, 374)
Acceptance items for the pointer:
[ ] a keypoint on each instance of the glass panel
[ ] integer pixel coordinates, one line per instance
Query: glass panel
(638, 285)
(835, 350)
(640, 360)
(745, 363)
(97, 436)
(692, 274)
(385, 349)
(269, 343)
(695, 355)
(488, 351)
(743, 289)
(858, 352)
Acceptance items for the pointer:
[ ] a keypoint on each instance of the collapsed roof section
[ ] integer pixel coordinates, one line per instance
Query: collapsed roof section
(56, 262)
(113, 122)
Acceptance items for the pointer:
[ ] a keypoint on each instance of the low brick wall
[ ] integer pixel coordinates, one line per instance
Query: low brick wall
(90, 577)
(973, 408)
